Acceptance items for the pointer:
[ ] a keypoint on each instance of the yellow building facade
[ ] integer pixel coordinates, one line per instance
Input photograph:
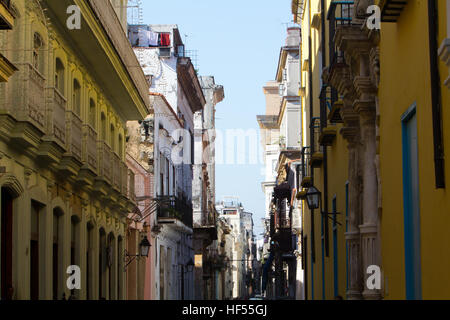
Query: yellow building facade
(414, 131)
(65, 187)
(375, 148)
(324, 160)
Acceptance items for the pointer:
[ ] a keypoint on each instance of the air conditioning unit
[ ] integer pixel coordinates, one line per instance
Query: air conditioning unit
(164, 52)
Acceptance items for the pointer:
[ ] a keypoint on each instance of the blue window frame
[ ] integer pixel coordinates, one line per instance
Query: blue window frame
(411, 205)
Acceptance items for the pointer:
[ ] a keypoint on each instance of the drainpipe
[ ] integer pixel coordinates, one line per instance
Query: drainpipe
(436, 97)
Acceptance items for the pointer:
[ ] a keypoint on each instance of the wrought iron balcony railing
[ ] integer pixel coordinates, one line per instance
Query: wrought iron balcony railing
(341, 13)
(306, 178)
(171, 207)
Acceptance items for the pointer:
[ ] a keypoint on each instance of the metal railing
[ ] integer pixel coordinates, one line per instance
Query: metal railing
(58, 118)
(341, 13)
(316, 130)
(90, 156)
(175, 208)
(306, 158)
(74, 133)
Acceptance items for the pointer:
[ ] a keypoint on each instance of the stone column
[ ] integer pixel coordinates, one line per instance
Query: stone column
(366, 108)
(352, 236)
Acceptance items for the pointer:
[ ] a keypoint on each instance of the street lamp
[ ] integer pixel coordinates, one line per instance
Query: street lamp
(144, 248)
(313, 198)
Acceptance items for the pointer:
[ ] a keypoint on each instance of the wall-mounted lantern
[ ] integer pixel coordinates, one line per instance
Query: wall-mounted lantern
(144, 248)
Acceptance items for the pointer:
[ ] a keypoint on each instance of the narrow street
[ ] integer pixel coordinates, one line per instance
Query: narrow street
(235, 151)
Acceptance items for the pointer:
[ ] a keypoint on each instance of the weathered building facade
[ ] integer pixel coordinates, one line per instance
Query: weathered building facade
(66, 190)
(204, 192)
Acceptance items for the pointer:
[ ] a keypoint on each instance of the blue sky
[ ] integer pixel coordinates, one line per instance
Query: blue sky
(238, 42)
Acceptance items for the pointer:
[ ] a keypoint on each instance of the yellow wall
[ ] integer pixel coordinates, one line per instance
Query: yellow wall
(405, 79)
(337, 173)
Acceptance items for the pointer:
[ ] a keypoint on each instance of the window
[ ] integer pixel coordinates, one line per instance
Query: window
(76, 97)
(57, 256)
(103, 127)
(167, 176)
(59, 76)
(119, 268)
(120, 146)
(102, 265)
(89, 257)
(161, 174)
(112, 139)
(111, 266)
(164, 52)
(74, 244)
(38, 59)
(173, 180)
(92, 113)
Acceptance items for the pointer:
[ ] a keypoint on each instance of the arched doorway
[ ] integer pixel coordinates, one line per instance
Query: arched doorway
(58, 214)
(89, 259)
(120, 268)
(102, 265)
(75, 247)
(111, 267)
(7, 202)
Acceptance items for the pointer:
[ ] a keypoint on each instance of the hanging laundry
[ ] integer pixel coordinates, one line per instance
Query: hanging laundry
(165, 39)
(152, 38)
(143, 38)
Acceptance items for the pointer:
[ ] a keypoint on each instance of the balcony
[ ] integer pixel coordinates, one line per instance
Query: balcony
(327, 136)
(116, 171)
(391, 9)
(306, 168)
(53, 144)
(90, 158)
(30, 109)
(88, 171)
(71, 163)
(104, 178)
(317, 154)
(171, 209)
(6, 16)
(334, 116)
